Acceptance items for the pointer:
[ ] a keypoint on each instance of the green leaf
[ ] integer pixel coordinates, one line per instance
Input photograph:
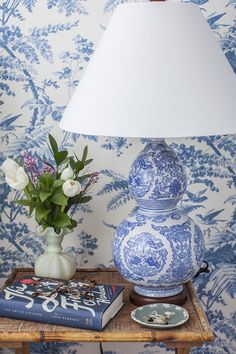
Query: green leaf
(85, 153)
(60, 156)
(79, 165)
(59, 199)
(85, 199)
(46, 180)
(76, 156)
(35, 193)
(53, 144)
(40, 213)
(78, 199)
(44, 195)
(31, 209)
(62, 220)
(76, 165)
(87, 162)
(30, 187)
(25, 202)
(57, 183)
(82, 178)
(73, 223)
(72, 163)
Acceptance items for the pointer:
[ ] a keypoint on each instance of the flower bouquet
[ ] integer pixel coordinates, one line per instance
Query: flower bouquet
(51, 189)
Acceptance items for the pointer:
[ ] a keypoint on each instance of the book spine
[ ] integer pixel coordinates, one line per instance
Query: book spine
(71, 318)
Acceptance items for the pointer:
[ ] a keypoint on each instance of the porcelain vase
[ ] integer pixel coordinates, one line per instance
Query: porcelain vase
(158, 247)
(54, 263)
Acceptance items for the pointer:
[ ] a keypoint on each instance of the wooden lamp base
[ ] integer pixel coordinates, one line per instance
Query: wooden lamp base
(140, 300)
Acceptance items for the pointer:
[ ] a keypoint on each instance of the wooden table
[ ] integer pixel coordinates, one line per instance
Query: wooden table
(18, 333)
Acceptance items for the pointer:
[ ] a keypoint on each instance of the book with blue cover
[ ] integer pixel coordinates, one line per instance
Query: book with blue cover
(75, 303)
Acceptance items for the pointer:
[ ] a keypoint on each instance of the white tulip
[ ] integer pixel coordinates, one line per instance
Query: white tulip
(71, 188)
(67, 173)
(15, 175)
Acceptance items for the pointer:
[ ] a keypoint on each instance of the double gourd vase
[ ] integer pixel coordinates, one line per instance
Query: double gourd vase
(158, 247)
(54, 263)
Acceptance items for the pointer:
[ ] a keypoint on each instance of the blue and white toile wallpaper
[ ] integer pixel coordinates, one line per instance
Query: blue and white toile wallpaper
(45, 46)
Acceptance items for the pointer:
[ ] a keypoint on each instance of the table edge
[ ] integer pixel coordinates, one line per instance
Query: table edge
(93, 336)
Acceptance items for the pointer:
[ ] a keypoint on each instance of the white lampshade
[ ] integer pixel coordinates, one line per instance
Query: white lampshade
(158, 71)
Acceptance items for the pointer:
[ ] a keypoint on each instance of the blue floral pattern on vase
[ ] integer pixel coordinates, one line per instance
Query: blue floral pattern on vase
(157, 178)
(145, 250)
(158, 252)
(158, 247)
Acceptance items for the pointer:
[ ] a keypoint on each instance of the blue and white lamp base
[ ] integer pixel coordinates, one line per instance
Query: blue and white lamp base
(158, 248)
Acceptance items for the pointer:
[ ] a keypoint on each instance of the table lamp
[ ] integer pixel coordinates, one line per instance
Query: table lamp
(158, 72)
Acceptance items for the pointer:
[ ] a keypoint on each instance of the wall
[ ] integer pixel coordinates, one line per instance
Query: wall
(45, 47)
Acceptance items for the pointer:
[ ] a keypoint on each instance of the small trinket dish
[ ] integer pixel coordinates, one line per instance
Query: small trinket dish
(160, 315)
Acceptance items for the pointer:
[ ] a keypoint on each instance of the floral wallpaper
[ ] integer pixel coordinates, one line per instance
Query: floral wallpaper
(44, 49)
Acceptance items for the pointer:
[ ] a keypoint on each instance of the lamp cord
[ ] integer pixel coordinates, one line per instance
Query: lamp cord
(100, 348)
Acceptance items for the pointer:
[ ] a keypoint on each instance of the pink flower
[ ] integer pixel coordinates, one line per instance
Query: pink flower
(47, 168)
(28, 161)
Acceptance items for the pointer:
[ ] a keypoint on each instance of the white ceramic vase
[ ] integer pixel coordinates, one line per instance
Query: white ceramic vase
(54, 263)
